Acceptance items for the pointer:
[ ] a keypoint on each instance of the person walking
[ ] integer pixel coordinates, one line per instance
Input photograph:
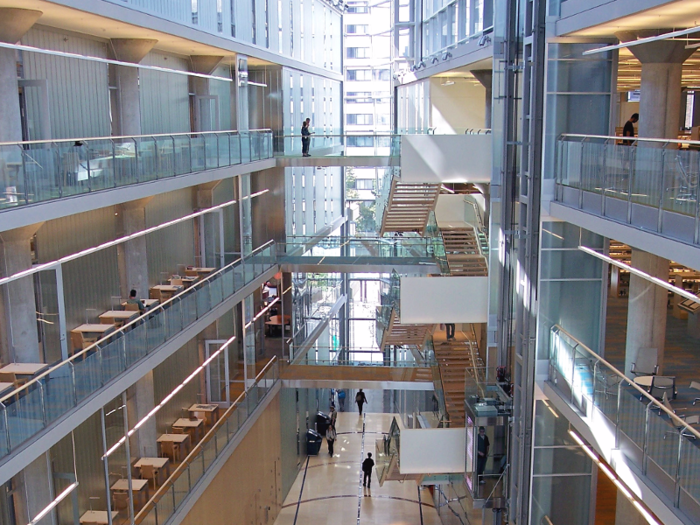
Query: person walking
(450, 330)
(331, 436)
(360, 399)
(628, 129)
(482, 449)
(367, 466)
(341, 399)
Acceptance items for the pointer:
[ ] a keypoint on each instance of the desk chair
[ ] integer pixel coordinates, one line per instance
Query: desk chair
(680, 428)
(695, 386)
(130, 307)
(121, 500)
(150, 473)
(647, 362)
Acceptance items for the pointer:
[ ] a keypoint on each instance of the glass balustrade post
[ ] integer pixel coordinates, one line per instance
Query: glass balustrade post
(662, 189)
(189, 145)
(573, 375)
(696, 231)
(604, 189)
(645, 440)
(230, 158)
(631, 180)
(114, 164)
(73, 384)
(240, 148)
(156, 157)
(677, 481)
(580, 175)
(89, 171)
(174, 157)
(23, 156)
(137, 166)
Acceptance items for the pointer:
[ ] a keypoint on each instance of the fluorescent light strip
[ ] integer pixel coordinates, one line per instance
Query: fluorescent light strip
(262, 312)
(167, 398)
(53, 504)
(640, 41)
(611, 475)
(643, 275)
(109, 244)
(89, 58)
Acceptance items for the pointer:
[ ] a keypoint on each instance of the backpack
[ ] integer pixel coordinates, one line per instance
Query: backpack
(341, 394)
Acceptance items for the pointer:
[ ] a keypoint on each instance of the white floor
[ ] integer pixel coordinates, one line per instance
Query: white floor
(331, 488)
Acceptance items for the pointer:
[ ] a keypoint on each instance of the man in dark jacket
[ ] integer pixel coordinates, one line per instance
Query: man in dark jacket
(367, 466)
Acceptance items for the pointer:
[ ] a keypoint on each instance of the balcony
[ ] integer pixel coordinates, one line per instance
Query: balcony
(646, 440)
(650, 185)
(40, 171)
(52, 395)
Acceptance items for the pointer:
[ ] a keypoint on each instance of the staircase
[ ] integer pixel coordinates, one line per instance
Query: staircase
(408, 207)
(463, 252)
(404, 334)
(456, 358)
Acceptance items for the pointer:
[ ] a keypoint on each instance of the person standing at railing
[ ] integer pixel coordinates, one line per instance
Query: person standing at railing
(306, 137)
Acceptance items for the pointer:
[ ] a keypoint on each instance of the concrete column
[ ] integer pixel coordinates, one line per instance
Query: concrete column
(129, 113)
(131, 255)
(485, 78)
(141, 400)
(646, 315)
(19, 339)
(660, 102)
(204, 65)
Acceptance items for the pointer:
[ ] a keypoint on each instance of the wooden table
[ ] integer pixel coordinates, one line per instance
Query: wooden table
(117, 317)
(174, 446)
(97, 517)
(209, 413)
(15, 373)
(193, 427)
(160, 465)
(147, 303)
(84, 335)
(163, 292)
(186, 281)
(276, 322)
(198, 271)
(5, 386)
(139, 488)
(648, 381)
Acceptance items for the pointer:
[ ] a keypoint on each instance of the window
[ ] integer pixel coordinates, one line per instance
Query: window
(359, 74)
(358, 52)
(381, 74)
(195, 11)
(360, 7)
(360, 142)
(359, 98)
(365, 184)
(233, 24)
(360, 118)
(356, 29)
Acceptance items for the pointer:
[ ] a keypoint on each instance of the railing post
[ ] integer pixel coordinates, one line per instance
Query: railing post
(605, 178)
(660, 217)
(75, 389)
(677, 486)
(617, 415)
(189, 141)
(174, 158)
(6, 422)
(136, 160)
(630, 180)
(580, 178)
(645, 441)
(24, 173)
(157, 157)
(43, 402)
(89, 171)
(696, 231)
(114, 164)
(573, 373)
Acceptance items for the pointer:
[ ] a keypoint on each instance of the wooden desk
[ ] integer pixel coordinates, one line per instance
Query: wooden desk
(209, 413)
(147, 303)
(193, 427)
(275, 322)
(117, 317)
(198, 271)
(186, 281)
(139, 487)
(160, 465)
(84, 335)
(163, 292)
(15, 373)
(97, 517)
(174, 446)
(6, 386)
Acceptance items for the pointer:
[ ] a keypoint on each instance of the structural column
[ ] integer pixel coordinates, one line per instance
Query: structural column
(129, 111)
(659, 117)
(485, 78)
(19, 339)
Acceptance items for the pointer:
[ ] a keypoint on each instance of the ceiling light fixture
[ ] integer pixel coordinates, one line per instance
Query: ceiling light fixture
(640, 41)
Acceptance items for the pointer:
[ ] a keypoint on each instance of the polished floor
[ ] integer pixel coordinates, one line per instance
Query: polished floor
(328, 490)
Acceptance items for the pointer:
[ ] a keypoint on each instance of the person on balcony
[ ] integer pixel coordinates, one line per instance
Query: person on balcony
(628, 130)
(306, 137)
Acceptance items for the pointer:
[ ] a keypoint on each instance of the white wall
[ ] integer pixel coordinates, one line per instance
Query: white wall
(446, 158)
(456, 107)
(455, 210)
(432, 450)
(427, 300)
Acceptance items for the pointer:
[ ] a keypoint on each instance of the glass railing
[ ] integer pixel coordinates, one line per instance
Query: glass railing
(34, 406)
(389, 301)
(324, 145)
(170, 496)
(353, 356)
(437, 243)
(384, 191)
(653, 438)
(612, 175)
(38, 171)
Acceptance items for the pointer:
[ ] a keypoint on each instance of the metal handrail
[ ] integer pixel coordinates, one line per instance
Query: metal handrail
(631, 139)
(152, 135)
(163, 489)
(111, 335)
(643, 393)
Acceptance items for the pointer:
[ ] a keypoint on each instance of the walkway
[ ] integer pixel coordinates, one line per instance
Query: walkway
(329, 490)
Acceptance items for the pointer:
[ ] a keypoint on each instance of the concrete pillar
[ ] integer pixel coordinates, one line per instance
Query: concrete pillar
(660, 102)
(204, 120)
(131, 255)
(19, 339)
(129, 111)
(485, 78)
(646, 314)
(140, 401)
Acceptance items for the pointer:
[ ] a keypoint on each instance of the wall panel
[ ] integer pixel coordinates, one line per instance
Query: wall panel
(165, 101)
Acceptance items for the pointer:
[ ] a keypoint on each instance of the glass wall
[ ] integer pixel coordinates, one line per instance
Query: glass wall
(447, 23)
